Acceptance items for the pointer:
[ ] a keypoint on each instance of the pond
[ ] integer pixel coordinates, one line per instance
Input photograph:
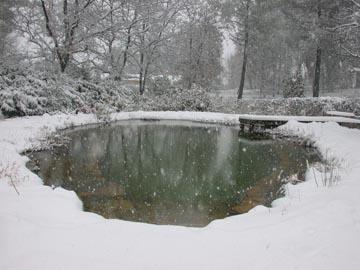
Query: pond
(176, 173)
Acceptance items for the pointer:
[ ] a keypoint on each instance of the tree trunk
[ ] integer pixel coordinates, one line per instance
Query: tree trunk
(357, 80)
(316, 84)
(141, 82)
(63, 66)
(145, 75)
(190, 82)
(125, 53)
(141, 64)
(245, 52)
(141, 73)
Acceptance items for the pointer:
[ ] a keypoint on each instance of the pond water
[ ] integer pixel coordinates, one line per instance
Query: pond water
(170, 172)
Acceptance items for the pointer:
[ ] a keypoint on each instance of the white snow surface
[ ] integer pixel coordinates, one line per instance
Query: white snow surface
(313, 227)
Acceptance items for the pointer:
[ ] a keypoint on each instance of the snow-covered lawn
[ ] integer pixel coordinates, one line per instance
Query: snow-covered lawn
(313, 227)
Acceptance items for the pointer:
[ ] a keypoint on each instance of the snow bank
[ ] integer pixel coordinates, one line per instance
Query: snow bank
(313, 227)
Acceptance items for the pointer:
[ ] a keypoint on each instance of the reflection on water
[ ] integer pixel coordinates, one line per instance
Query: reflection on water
(164, 173)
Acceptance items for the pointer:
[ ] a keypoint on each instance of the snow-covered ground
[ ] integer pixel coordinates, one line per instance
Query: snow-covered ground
(313, 227)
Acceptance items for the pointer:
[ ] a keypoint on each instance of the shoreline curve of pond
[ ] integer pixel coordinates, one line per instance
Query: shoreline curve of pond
(170, 172)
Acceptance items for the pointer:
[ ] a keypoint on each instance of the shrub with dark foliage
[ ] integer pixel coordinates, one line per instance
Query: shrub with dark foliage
(294, 86)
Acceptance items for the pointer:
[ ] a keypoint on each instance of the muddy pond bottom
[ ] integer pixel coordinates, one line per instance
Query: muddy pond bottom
(173, 173)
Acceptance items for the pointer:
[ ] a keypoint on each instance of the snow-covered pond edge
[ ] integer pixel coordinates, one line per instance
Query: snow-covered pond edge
(313, 226)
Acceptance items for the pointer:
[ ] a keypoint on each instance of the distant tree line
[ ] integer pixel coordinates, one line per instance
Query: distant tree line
(280, 38)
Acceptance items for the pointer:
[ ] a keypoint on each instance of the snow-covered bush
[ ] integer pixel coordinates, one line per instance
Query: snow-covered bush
(175, 99)
(194, 99)
(327, 172)
(159, 85)
(24, 93)
(29, 93)
(294, 86)
(102, 113)
(10, 173)
(295, 106)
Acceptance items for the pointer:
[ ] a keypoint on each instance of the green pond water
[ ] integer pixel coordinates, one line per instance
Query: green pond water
(170, 172)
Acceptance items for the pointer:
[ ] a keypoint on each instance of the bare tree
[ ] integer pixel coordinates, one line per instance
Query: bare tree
(348, 27)
(64, 41)
(198, 45)
(61, 28)
(110, 51)
(6, 16)
(158, 21)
